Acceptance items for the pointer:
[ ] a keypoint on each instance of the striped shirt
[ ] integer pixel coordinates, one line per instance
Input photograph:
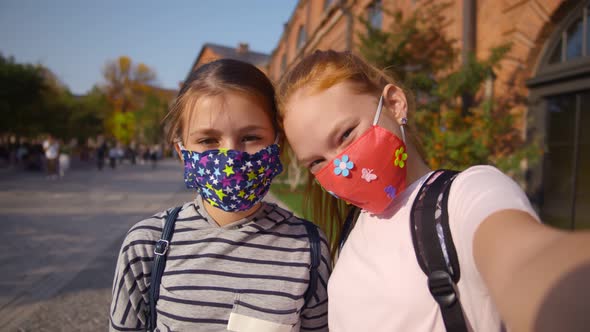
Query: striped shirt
(250, 275)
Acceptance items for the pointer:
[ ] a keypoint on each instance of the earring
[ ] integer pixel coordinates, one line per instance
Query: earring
(401, 127)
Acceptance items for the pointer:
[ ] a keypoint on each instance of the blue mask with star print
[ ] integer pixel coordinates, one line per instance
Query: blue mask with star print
(231, 180)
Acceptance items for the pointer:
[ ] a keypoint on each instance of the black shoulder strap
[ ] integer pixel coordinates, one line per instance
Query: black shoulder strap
(315, 253)
(160, 251)
(434, 248)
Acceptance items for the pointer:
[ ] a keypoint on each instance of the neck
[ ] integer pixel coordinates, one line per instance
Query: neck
(223, 218)
(416, 166)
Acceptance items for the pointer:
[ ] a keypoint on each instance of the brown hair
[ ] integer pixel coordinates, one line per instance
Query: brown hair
(216, 78)
(318, 72)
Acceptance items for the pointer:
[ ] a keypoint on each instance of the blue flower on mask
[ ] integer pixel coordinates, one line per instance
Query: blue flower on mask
(343, 166)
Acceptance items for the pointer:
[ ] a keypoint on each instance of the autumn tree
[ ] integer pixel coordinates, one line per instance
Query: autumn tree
(126, 87)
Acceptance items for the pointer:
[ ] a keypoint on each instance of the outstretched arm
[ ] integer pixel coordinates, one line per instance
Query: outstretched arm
(538, 276)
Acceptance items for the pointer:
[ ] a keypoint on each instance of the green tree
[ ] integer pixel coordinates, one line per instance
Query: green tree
(149, 117)
(21, 97)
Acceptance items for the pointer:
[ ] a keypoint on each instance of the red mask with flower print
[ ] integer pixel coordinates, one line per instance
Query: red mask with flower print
(370, 172)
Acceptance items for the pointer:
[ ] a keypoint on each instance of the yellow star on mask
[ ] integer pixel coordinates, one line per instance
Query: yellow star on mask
(220, 194)
(251, 197)
(212, 202)
(242, 194)
(251, 175)
(261, 170)
(209, 186)
(228, 170)
(223, 151)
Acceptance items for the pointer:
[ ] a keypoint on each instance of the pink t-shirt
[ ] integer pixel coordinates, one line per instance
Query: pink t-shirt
(377, 284)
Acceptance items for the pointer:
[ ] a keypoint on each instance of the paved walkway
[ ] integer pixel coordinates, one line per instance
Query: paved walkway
(60, 240)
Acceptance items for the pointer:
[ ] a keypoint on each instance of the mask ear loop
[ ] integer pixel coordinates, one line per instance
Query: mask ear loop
(378, 114)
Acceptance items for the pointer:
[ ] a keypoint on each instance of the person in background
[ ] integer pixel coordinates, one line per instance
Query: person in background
(64, 159)
(51, 149)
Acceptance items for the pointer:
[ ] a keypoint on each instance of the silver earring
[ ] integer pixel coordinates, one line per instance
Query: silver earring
(401, 127)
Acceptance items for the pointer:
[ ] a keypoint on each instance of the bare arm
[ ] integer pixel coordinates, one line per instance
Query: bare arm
(538, 276)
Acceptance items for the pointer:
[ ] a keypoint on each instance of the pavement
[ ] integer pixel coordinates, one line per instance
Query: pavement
(60, 240)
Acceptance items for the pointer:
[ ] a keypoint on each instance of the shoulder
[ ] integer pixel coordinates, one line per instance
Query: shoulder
(287, 222)
(477, 193)
(481, 172)
(151, 227)
(484, 180)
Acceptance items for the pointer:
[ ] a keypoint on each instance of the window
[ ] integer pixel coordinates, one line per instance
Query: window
(375, 14)
(566, 192)
(301, 37)
(574, 41)
(327, 4)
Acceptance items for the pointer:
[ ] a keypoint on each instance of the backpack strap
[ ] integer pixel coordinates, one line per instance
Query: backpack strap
(160, 252)
(315, 252)
(434, 248)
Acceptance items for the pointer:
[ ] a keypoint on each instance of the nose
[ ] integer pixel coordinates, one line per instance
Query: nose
(331, 155)
(231, 144)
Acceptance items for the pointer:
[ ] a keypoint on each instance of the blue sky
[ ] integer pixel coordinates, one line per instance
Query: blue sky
(75, 38)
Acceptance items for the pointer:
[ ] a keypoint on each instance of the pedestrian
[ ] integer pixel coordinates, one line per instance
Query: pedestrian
(64, 159)
(51, 149)
(348, 124)
(113, 155)
(101, 153)
(234, 262)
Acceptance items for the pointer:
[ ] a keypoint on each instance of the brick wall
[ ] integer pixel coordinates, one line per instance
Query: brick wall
(525, 23)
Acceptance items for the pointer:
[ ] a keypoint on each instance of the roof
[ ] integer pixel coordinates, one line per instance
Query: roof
(255, 58)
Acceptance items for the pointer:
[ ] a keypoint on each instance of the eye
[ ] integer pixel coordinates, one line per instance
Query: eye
(251, 138)
(315, 165)
(207, 141)
(346, 134)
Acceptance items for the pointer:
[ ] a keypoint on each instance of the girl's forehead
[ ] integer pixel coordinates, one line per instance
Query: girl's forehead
(230, 108)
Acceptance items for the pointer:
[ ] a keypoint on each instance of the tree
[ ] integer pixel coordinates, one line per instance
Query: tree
(149, 117)
(426, 61)
(21, 97)
(126, 87)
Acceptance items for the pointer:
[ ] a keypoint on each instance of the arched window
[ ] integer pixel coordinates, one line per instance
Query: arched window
(301, 37)
(574, 41)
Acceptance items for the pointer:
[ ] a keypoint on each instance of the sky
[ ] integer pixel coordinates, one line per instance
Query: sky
(75, 38)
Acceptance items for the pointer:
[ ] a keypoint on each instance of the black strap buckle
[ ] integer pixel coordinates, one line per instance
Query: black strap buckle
(161, 247)
(442, 288)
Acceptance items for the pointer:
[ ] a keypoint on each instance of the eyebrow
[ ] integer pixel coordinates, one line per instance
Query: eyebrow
(216, 132)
